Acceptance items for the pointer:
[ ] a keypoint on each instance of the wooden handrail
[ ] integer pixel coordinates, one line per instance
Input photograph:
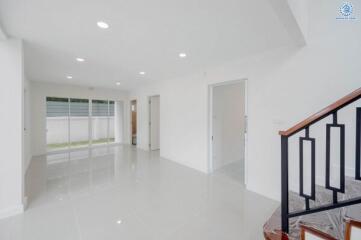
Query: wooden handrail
(355, 95)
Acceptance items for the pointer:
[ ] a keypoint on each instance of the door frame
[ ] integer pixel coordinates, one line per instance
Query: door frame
(149, 122)
(210, 123)
(131, 122)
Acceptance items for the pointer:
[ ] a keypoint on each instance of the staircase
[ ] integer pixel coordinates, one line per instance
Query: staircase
(329, 211)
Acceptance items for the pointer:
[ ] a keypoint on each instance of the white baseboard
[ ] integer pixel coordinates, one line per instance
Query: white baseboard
(11, 211)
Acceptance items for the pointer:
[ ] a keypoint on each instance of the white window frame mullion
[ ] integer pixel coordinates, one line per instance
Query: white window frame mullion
(69, 139)
(90, 119)
(108, 122)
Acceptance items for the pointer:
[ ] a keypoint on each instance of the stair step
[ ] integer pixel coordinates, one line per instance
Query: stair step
(329, 222)
(310, 233)
(352, 229)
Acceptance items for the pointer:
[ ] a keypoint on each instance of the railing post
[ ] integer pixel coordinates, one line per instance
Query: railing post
(284, 184)
(358, 143)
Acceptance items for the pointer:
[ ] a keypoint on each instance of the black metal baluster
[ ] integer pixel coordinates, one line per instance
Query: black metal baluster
(307, 203)
(301, 166)
(312, 196)
(285, 135)
(358, 143)
(341, 189)
(284, 184)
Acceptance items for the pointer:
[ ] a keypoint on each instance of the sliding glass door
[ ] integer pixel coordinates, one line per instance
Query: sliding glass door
(57, 123)
(111, 115)
(79, 123)
(74, 123)
(99, 118)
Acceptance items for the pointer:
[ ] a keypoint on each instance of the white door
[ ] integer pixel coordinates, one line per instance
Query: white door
(228, 125)
(154, 108)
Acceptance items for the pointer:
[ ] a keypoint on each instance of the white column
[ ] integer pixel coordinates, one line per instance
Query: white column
(119, 121)
(11, 128)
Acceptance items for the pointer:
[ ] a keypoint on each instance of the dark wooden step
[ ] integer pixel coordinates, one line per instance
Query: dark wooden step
(315, 232)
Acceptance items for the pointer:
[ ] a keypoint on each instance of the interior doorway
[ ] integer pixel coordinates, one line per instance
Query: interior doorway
(133, 109)
(154, 123)
(228, 129)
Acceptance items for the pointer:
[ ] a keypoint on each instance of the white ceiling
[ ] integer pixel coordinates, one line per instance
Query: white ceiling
(144, 35)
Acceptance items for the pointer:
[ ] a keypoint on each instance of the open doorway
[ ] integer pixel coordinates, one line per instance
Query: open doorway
(133, 109)
(228, 129)
(154, 123)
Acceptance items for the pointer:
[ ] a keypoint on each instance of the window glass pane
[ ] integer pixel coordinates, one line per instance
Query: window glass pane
(99, 122)
(99, 108)
(79, 107)
(57, 107)
(79, 123)
(111, 121)
(57, 113)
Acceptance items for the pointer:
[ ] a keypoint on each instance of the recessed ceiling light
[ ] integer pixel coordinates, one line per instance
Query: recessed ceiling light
(80, 59)
(142, 73)
(69, 77)
(182, 55)
(117, 83)
(119, 222)
(103, 25)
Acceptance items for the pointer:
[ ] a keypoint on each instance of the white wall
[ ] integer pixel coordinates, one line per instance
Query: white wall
(228, 121)
(285, 86)
(11, 128)
(27, 124)
(183, 130)
(154, 122)
(300, 11)
(38, 107)
(3, 36)
(120, 134)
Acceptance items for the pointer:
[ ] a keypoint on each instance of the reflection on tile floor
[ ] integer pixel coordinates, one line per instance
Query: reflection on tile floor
(123, 193)
(234, 171)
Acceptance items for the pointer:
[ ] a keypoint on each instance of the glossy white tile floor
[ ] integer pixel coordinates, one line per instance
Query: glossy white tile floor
(124, 193)
(234, 171)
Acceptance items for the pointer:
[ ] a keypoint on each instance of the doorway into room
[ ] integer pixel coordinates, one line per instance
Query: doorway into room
(228, 129)
(133, 109)
(154, 123)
